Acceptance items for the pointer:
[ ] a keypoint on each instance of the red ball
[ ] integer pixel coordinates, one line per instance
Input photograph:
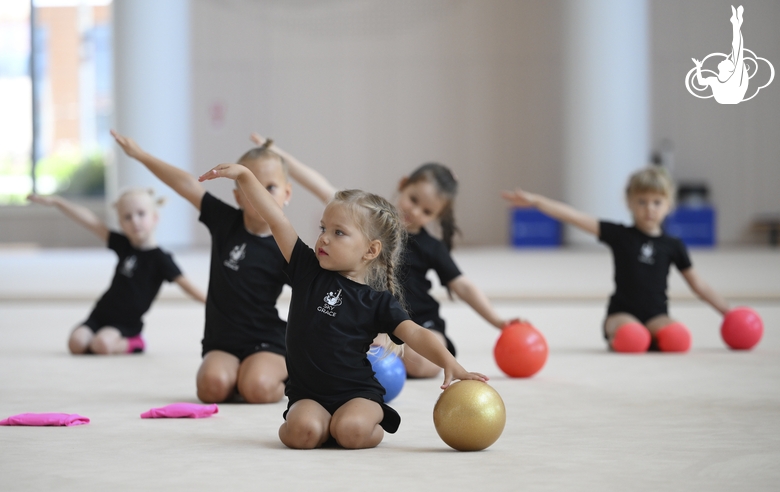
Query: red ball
(520, 351)
(742, 328)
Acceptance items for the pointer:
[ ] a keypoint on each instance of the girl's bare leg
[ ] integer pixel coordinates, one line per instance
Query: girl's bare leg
(615, 321)
(307, 425)
(217, 376)
(355, 425)
(261, 377)
(657, 323)
(108, 341)
(79, 340)
(418, 366)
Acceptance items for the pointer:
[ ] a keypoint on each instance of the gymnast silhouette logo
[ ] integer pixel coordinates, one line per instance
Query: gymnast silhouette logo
(237, 254)
(128, 266)
(735, 70)
(646, 253)
(331, 301)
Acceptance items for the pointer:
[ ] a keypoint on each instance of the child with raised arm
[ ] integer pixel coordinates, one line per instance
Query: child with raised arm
(425, 196)
(114, 326)
(342, 298)
(243, 341)
(637, 314)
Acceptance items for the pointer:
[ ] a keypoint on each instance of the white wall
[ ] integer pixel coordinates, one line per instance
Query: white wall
(734, 148)
(366, 90)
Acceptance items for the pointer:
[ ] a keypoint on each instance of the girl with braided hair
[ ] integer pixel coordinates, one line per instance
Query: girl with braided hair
(425, 196)
(343, 296)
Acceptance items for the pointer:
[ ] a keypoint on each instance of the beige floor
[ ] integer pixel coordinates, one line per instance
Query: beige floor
(590, 420)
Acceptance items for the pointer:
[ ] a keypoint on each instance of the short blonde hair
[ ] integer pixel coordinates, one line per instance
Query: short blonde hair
(651, 179)
(145, 192)
(264, 152)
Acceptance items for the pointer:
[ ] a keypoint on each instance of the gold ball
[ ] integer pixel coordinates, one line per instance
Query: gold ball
(469, 415)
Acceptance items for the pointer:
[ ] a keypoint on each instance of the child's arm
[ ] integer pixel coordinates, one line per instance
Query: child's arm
(82, 215)
(470, 293)
(426, 344)
(190, 288)
(310, 179)
(703, 290)
(554, 209)
(262, 201)
(179, 180)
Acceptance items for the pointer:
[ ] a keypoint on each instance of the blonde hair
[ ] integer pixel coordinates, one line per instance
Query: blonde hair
(147, 192)
(379, 220)
(265, 152)
(652, 179)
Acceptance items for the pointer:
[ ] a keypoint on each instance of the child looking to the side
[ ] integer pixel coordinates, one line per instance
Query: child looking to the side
(114, 326)
(425, 196)
(637, 314)
(243, 341)
(342, 298)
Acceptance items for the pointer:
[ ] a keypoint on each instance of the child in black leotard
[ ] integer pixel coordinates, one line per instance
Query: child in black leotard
(425, 196)
(114, 326)
(243, 341)
(339, 305)
(637, 314)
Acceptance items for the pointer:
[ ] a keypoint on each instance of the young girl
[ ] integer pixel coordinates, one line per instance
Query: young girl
(425, 196)
(243, 341)
(335, 316)
(114, 326)
(637, 313)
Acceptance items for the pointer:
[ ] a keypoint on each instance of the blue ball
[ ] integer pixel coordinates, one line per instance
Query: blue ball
(390, 371)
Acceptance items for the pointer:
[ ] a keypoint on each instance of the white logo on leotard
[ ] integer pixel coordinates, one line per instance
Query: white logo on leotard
(129, 266)
(735, 70)
(331, 301)
(237, 254)
(646, 253)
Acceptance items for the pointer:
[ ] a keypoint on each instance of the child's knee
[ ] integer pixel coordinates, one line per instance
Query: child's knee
(631, 338)
(303, 434)
(214, 386)
(353, 433)
(261, 389)
(99, 345)
(673, 338)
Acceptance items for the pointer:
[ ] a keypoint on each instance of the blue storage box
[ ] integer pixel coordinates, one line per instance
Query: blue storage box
(694, 225)
(531, 228)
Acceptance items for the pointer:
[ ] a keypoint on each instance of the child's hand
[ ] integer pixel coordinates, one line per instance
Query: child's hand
(131, 148)
(257, 138)
(230, 171)
(520, 198)
(521, 321)
(42, 200)
(696, 62)
(458, 372)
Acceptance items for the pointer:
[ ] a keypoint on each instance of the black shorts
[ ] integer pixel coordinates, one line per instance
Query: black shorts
(390, 421)
(438, 326)
(244, 351)
(642, 314)
(128, 330)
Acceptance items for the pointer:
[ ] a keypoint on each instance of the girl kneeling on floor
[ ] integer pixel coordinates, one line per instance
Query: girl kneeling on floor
(339, 305)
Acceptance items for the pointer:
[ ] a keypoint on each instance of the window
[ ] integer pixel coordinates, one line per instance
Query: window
(55, 91)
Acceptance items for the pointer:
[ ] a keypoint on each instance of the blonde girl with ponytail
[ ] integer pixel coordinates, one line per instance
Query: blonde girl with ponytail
(342, 299)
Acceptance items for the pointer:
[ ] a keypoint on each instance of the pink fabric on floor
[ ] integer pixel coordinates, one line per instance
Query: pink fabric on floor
(46, 419)
(181, 410)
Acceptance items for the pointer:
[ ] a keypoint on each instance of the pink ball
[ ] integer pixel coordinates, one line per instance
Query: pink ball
(742, 328)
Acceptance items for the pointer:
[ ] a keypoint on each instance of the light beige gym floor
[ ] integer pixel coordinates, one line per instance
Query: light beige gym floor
(589, 420)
